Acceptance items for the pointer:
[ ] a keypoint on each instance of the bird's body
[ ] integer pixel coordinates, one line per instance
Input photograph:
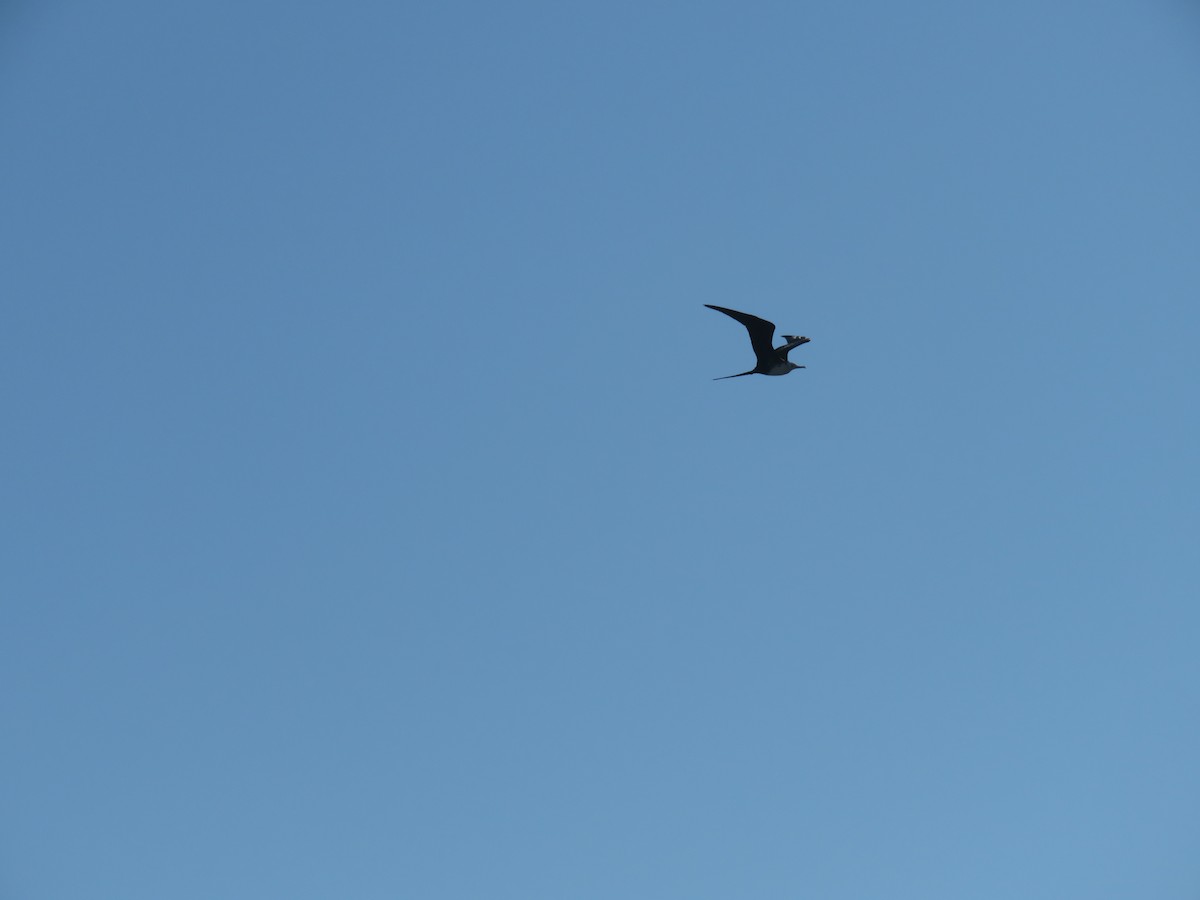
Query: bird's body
(771, 360)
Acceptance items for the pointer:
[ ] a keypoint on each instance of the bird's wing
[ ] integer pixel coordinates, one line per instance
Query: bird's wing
(792, 343)
(761, 332)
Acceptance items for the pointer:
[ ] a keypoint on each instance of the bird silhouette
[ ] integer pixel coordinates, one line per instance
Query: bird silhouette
(771, 360)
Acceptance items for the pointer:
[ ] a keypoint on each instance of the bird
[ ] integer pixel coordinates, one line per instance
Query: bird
(771, 360)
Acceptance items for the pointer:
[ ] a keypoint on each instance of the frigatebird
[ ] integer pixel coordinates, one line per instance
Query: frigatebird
(771, 360)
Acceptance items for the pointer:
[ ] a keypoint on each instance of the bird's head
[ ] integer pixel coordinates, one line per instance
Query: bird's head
(794, 366)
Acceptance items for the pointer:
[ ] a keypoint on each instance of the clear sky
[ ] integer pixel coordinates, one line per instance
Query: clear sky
(372, 527)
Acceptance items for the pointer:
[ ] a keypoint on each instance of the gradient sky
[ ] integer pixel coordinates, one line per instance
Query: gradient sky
(372, 527)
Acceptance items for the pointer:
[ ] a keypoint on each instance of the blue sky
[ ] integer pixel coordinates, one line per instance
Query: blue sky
(373, 527)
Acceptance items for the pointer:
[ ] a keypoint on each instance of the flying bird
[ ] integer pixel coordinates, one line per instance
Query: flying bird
(771, 360)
